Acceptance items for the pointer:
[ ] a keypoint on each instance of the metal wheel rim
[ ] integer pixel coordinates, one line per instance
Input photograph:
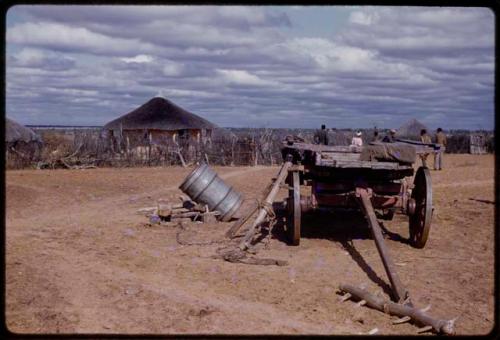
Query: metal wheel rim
(420, 221)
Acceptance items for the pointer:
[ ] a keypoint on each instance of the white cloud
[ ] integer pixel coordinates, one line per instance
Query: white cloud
(64, 37)
(362, 18)
(172, 68)
(386, 63)
(242, 77)
(140, 58)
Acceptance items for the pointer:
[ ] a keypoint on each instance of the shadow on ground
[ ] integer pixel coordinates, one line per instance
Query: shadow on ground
(338, 226)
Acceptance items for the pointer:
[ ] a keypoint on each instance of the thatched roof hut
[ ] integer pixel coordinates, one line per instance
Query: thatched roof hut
(23, 145)
(159, 114)
(15, 132)
(411, 128)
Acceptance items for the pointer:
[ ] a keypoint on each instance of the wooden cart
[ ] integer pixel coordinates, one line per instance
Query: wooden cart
(339, 179)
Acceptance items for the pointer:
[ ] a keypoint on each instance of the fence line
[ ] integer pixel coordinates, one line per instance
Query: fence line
(245, 147)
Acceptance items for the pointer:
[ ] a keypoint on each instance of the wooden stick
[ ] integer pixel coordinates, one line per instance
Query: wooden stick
(238, 223)
(399, 291)
(245, 243)
(402, 311)
(178, 152)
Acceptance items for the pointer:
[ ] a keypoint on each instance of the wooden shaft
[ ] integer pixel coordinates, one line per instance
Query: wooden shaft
(400, 292)
(237, 224)
(186, 214)
(389, 307)
(269, 200)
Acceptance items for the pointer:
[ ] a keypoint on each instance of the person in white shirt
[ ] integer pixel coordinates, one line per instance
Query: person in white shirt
(356, 140)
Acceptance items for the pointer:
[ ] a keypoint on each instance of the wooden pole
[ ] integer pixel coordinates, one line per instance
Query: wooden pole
(389, 307)
(245, 243)
(238, 223)
(178, 152)
(399, 291)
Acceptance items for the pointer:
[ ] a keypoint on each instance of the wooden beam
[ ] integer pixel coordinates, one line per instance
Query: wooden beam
(403, 311)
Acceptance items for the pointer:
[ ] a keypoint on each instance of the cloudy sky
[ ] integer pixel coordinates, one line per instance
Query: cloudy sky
(256, 66)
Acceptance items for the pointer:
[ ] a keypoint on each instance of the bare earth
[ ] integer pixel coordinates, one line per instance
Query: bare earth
(80, 259)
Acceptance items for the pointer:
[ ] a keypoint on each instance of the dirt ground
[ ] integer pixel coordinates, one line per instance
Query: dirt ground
(80, 259)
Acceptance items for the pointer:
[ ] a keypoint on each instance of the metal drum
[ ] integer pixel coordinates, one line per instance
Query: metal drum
(203, 185)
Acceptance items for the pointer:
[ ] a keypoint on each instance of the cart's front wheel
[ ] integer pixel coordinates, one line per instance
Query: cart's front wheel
(294, 212)
(420, 221)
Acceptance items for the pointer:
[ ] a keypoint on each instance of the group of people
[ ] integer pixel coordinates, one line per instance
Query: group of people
(438, 156)
(321, 137)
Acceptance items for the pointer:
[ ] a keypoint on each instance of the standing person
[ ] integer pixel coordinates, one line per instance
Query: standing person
(356, 140)
(391, 137)
(424, 138)
(438, 156)
(321, 136)
(376, 136)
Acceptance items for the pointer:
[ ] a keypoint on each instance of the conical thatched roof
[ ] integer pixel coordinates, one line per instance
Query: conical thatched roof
(15, 132)
(411, 128)
(159, 113)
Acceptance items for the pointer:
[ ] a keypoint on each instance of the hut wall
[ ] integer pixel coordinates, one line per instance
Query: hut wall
(21, 154)
(160, 146)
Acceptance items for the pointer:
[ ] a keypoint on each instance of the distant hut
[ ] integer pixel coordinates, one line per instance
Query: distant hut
(411, 129)
(159, 121)
(22, 145)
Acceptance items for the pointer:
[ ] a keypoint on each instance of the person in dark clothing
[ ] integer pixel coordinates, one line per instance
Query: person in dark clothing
(376, 136)
(321, 136)
(391, 137)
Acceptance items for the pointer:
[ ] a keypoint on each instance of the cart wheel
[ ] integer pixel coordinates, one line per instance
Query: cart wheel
(420, 221)
(294, 212)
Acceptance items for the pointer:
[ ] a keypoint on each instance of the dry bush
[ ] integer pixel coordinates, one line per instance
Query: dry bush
(55, 144)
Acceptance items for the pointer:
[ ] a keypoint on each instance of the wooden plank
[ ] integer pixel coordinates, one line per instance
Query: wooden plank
(340, 156)
(323, 148)
(362, 164)
(419, 147)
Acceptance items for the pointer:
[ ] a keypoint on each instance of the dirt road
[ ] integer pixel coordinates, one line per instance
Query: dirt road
(79, 259)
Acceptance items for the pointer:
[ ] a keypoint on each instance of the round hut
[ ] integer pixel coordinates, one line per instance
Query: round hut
(159, 120)
(22, 145)
(411, 130)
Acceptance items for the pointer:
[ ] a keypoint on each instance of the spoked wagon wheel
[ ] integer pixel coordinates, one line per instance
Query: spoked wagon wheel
(420, 221)
(294, 212)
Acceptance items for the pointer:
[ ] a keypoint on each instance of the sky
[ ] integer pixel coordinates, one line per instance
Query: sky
(253, 66)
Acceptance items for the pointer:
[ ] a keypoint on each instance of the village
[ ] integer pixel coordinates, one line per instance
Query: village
(224, 224)
(162, 133)
(233, 170)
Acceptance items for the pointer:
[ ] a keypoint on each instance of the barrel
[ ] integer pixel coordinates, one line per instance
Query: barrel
(204, 186)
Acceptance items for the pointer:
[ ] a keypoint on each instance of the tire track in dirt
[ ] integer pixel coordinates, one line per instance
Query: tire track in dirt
(246, 316)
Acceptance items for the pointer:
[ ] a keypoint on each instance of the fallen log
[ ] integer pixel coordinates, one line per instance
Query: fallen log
(405, 312)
